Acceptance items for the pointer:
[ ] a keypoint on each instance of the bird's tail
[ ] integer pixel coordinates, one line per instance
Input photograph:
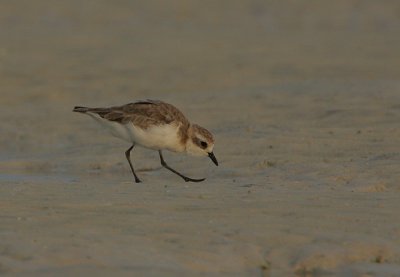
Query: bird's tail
(81, 109)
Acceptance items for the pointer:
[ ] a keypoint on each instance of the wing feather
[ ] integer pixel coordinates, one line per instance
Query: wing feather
(143, 114)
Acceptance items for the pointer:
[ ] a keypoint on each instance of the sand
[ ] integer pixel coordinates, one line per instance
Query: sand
(303, 99)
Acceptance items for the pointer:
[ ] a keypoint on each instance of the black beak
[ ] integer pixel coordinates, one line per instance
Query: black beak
(213, 158)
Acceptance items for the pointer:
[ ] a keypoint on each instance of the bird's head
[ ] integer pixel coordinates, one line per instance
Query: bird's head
(200, 142)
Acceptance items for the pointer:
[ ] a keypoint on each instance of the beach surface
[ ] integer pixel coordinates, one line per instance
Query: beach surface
(303, 99)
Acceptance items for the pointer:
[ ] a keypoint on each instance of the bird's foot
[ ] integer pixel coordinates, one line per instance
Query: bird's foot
(187, 179)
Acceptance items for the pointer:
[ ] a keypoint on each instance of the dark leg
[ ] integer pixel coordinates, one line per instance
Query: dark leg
(187, 179)
(128, 157)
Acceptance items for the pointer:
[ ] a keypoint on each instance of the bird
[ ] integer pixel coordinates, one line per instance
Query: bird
(156, 125)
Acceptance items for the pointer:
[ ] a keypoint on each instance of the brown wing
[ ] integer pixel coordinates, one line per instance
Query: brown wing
(143, 114)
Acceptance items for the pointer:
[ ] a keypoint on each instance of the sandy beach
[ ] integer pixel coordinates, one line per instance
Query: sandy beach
(303, 99)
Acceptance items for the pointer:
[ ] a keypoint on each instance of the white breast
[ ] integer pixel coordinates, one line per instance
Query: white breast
(155, 137)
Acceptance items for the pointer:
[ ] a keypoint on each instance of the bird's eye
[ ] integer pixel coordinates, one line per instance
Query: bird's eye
(203, 144)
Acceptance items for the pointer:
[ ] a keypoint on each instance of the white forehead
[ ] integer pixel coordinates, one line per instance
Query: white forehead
(200, 137)
(203, 138)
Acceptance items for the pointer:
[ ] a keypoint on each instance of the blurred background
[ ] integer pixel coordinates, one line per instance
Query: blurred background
(54, 55)
(303, 98)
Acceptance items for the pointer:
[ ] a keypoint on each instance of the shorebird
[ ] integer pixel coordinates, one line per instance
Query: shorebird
(154, 125)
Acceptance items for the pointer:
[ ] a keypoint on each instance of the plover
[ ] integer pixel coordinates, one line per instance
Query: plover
(155, 125)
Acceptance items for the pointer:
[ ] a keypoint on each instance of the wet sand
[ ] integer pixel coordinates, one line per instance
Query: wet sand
(304, 102)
